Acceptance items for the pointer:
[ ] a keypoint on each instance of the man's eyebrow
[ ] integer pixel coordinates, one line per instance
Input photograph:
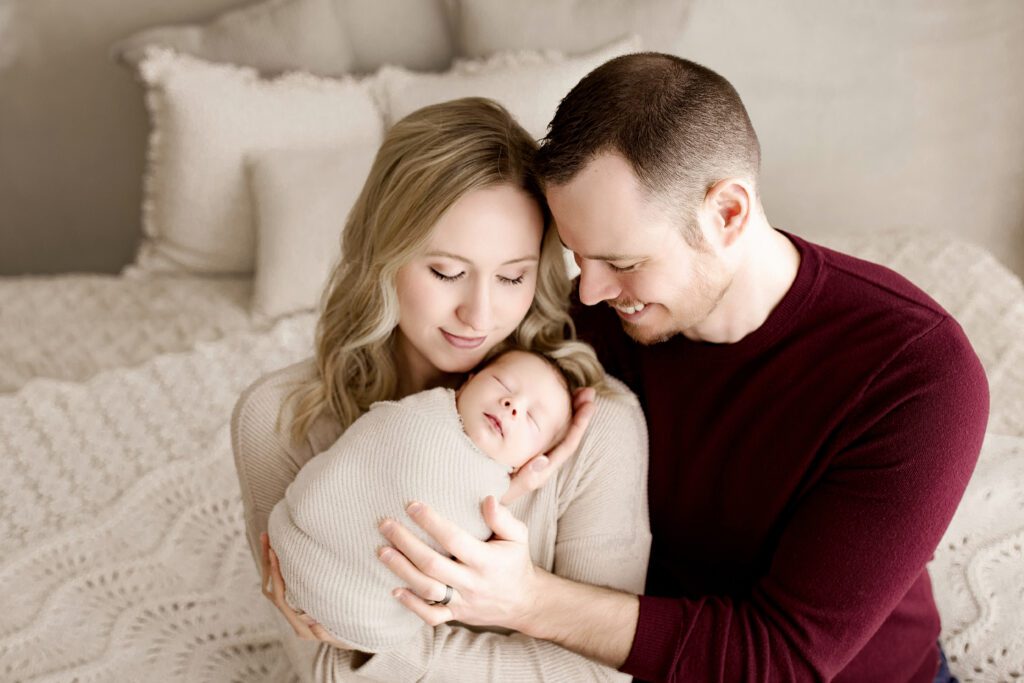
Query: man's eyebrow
(602, 257)
(463, 259)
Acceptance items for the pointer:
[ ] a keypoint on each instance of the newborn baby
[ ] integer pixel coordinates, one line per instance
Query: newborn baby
(448, 448)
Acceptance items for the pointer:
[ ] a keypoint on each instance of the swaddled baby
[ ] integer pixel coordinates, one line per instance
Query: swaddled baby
(449, 448)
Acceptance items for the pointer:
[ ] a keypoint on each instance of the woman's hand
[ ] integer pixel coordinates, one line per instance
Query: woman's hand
(493, 582)
(273, 589)
(538, 470)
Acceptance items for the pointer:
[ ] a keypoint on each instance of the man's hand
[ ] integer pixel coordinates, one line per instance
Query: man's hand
(539, 469)
(492, 581)
(495, 584)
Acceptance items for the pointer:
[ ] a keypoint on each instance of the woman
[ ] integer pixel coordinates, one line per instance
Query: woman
(447, 254)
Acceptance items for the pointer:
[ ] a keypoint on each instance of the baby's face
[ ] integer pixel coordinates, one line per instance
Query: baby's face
(515, 407)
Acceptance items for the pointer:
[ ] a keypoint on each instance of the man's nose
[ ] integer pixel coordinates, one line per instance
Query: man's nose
(595, 286)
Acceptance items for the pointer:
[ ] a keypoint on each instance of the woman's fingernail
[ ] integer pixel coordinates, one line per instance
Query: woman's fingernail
(386, 525)
(413, 508)
(397, 593)
(385, 553)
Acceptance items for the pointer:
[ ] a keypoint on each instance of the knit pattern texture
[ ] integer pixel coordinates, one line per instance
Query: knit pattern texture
(125, 556)
(325, 530)
(70, 327)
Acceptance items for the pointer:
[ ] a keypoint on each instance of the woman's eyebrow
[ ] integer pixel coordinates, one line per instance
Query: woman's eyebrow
(456, 257)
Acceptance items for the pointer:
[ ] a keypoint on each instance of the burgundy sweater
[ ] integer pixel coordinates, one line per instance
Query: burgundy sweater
(800, 479)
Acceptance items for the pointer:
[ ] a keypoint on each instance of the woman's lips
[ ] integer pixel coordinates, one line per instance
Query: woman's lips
(495, 423)
(463, 342)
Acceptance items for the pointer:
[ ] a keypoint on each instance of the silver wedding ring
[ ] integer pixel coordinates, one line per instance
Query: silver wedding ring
(448, 593)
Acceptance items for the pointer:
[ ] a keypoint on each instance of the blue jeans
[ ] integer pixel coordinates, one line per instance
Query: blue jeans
(944, 675)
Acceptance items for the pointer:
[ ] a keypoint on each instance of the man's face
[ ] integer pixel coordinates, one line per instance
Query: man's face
(515, 407)
(632, 254)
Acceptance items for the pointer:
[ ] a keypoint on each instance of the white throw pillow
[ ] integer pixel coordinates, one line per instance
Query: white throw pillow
(302, 199)
(206, 118)
(529, 84)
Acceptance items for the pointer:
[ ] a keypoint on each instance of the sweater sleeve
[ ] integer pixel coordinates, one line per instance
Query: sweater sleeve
(857, 539)
(602, 538)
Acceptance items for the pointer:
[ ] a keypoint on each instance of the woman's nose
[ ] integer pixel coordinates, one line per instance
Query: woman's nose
(476, 310)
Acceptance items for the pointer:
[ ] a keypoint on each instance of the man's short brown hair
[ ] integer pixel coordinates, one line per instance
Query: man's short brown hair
(680, 125)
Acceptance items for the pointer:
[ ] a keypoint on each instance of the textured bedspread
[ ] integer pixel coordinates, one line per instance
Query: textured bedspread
(72, 326)
(124, 551)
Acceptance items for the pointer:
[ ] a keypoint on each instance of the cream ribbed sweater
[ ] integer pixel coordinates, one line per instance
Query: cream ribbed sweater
(589, 524)
(325, 529)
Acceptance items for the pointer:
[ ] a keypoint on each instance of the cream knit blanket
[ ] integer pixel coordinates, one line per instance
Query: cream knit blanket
(325, 529)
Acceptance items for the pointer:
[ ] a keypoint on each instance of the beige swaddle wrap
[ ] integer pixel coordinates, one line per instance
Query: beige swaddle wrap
(325, 529)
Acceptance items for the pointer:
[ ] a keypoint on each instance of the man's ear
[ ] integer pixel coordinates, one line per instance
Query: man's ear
(729, 203)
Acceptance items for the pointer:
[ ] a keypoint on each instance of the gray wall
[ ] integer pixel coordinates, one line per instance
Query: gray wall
(872, 115)
(73, 130)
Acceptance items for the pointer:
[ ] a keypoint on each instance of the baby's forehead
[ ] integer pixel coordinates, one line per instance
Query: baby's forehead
(525, 361)
(539, 369)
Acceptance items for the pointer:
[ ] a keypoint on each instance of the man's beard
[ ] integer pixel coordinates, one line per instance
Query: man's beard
(710, 294)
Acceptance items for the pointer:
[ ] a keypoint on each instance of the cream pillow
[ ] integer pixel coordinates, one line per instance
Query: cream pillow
(484, 27)
(302, 198)
(272, 36)
(325, 37)
(529, 84)
(206, 118)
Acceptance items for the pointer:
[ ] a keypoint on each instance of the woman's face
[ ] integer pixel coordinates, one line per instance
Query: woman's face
(471, 287)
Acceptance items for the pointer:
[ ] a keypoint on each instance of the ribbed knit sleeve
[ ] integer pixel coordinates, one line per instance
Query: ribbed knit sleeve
(590, 525)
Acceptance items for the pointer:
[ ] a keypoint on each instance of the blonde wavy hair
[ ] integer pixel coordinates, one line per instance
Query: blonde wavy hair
(427, 161)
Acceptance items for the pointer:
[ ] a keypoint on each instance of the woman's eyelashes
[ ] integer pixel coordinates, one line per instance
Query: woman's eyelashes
(444, 277)
(623, 269)
(447, 278)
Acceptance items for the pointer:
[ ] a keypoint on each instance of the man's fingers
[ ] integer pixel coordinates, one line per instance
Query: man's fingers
(583, 396)
(451, 537)
(424, 586)
(430, 614)
(502, 522)
(425, 558)
(564, 450)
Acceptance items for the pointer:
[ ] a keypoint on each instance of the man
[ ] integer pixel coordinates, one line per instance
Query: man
(814, 419)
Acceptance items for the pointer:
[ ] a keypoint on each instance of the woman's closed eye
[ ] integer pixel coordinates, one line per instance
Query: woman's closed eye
(447, 278)
(623, 269)
(512, 280)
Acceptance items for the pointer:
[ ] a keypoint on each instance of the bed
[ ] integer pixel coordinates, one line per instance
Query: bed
(125, 556)
(124, 550)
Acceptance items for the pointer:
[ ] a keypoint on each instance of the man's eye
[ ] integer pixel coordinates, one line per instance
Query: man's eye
(446, 278)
